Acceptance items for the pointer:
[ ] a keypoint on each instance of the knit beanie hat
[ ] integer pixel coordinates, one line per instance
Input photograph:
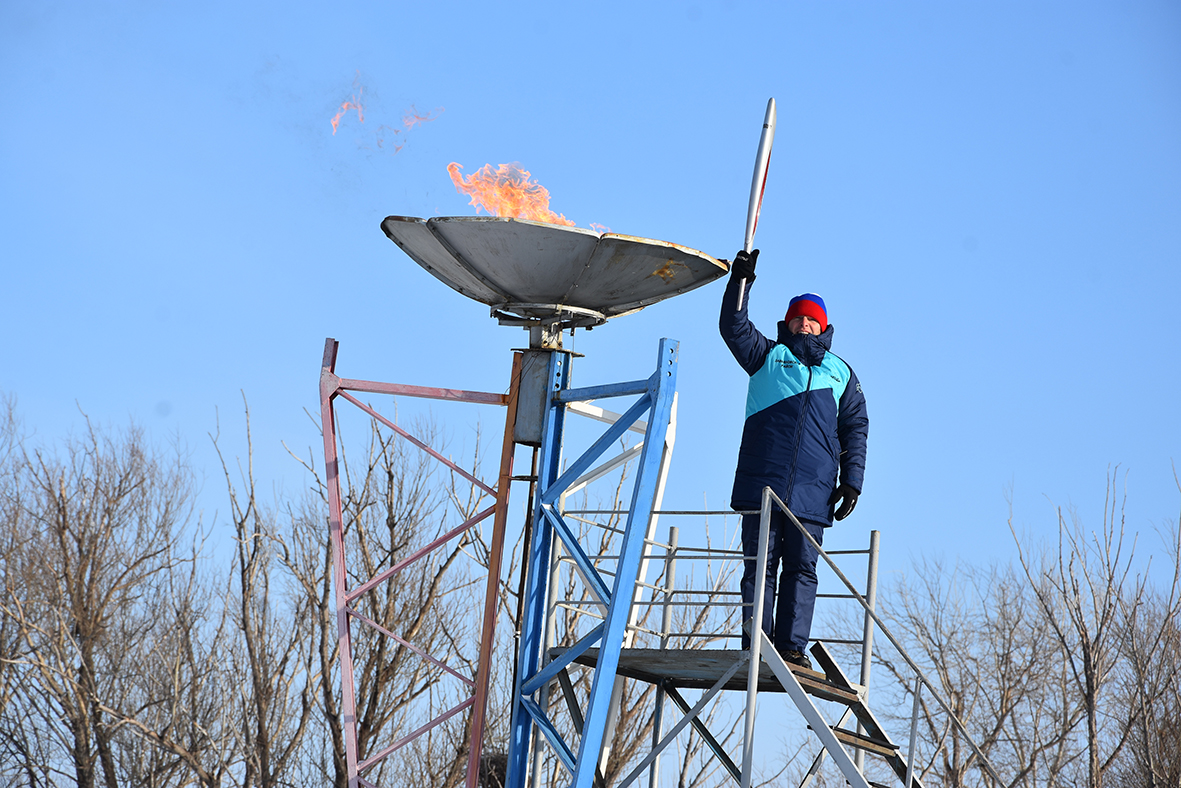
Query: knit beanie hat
(808, 305)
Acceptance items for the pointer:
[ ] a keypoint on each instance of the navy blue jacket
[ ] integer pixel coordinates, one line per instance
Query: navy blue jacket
(805, 416)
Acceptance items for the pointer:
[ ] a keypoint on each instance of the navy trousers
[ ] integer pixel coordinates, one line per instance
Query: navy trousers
(791, 624)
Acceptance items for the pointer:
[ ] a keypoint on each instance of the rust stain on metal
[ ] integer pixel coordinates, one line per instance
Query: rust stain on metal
(668, 272)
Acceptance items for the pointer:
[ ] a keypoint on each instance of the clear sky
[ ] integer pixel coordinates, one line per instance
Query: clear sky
(987, 195)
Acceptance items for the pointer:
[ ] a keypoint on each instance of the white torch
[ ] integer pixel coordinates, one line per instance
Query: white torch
(757, 184)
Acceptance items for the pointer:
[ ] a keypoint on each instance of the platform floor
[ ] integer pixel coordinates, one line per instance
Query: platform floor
(689, 668)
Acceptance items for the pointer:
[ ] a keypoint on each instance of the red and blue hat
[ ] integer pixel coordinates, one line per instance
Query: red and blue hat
(808, 305)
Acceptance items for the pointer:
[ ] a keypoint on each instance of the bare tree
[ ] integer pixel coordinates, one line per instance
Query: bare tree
(1151, 685)
(273, 657)
(1150, 678)
(99, 530)
(176, 724)
(980, 636)
(23, 756)
(1082, 592)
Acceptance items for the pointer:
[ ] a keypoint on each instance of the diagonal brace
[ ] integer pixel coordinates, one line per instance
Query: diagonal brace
(590, 575)
(553, 668)
(613, 433)
(684, 721)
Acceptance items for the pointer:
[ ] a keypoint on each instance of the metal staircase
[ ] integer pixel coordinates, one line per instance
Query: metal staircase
(831, 684)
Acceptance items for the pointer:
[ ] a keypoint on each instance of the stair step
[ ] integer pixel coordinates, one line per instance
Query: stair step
(817, 684)
(831, 671)
(826, 690)
(865, 743)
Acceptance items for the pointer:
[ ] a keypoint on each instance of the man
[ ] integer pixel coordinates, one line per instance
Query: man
(804, 437)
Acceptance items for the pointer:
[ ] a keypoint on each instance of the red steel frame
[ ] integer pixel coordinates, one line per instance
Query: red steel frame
(332, 387)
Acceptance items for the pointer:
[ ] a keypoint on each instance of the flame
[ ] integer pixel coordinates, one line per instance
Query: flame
(411, 118)
(354, 102)
(600, 228)
(506, 191)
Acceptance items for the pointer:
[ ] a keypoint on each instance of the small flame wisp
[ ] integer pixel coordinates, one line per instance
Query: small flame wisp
(354, 102)
(506, 191)
(412, 117)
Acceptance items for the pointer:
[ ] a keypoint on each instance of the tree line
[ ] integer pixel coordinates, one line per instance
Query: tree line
(130, 656)
(133, 652)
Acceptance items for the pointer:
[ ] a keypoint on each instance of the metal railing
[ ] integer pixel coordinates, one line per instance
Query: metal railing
(921, 680)
(663, 593)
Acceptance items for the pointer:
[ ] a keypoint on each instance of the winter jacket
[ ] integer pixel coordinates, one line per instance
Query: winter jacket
(805, 416)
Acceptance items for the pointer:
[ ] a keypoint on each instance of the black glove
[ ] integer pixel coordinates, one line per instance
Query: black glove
(848, 504)
(743, 266)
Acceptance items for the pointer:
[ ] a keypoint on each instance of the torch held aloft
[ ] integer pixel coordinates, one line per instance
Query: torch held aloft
(757, 184)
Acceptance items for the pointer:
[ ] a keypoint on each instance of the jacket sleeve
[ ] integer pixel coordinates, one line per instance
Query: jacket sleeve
(853, 432)
(746, 342)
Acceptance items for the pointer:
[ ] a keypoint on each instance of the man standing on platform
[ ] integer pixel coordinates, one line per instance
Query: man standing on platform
(804, 437)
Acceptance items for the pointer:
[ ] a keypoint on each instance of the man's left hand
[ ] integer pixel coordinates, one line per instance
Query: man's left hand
(849, 502)
(743, 266)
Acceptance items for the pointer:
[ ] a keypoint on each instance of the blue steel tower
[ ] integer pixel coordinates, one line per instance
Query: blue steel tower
(656, 399)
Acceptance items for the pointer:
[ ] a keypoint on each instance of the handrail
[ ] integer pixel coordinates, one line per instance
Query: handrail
(698, 554)
(769, 495)
(714, 597)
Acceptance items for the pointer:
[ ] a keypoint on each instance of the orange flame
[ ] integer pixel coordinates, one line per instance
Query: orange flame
(411, 118)
(506, 191)
(353, 103)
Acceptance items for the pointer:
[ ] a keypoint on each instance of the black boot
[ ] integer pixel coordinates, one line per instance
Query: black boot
(793, 657)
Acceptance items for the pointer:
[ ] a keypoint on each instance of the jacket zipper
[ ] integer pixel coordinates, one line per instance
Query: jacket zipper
(795, 452)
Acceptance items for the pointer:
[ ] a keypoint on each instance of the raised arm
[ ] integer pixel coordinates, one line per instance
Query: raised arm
(746, 343)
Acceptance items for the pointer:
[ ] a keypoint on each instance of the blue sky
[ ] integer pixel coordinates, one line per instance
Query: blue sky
(987, 195)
